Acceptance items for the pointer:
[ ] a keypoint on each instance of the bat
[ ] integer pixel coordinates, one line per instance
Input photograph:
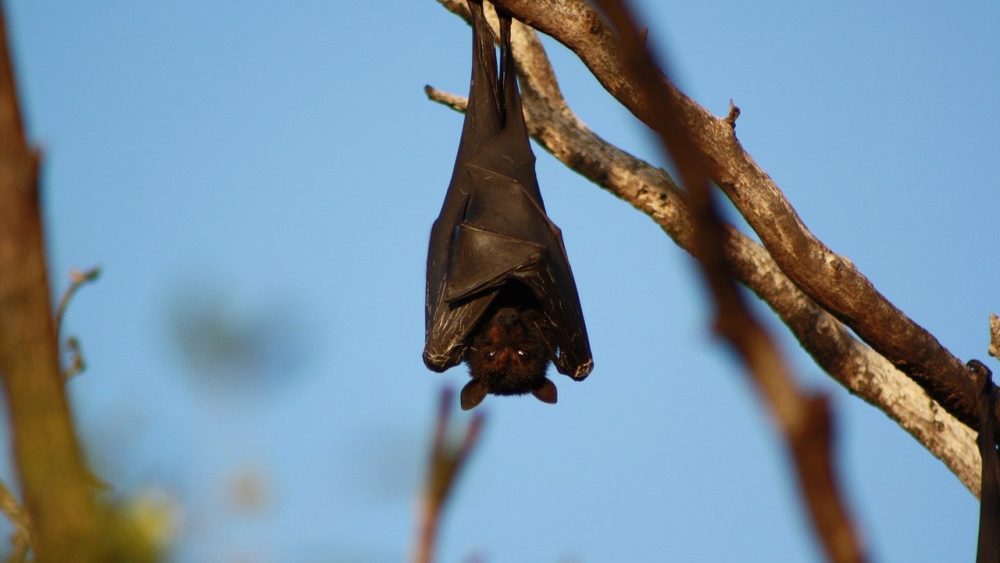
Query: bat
(500, 291)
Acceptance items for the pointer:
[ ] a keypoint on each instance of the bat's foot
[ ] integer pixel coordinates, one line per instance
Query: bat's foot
(475, 391)
(546, 392)
(472, 394)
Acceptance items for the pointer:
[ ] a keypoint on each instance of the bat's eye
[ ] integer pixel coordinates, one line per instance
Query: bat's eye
(491, 354)
(520, 353)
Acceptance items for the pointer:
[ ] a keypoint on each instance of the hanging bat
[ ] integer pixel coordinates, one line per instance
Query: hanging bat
(500, 291)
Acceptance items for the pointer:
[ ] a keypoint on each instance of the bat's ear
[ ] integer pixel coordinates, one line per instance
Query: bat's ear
(546, 393)
(472, 394)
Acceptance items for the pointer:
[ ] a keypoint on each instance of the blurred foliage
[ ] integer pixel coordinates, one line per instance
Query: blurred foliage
(137, 529)
(233, 343)
(142, 528)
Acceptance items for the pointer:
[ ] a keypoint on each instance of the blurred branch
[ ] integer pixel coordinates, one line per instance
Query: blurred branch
(827, 278)
(651, 190)
(804, 419)
(47, 455)
(444, 467)
(76, 364)
(20, 538)
(77, 280)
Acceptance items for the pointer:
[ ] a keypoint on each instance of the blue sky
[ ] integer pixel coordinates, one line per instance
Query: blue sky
(269, 171)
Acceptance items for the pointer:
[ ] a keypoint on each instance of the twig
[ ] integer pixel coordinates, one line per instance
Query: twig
(445, 465)
(77, 279)
(77, 364)
(734, 114)
(650, 190)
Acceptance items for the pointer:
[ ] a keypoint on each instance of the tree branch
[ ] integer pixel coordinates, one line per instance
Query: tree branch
(651, 190)
(77, 280)
(804, 419)
(47, 455)
(445, 465)
(829, 279)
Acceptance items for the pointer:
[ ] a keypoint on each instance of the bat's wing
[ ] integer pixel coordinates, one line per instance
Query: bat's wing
(493, 227)
(447, 324)
(507, 229)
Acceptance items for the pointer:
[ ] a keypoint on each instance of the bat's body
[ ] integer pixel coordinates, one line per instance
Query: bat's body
(497, 272)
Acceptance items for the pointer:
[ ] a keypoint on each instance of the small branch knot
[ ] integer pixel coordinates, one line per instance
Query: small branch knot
(994, 348)
(734, 114)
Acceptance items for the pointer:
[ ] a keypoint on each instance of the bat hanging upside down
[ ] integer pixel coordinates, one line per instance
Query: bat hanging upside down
(500, 291)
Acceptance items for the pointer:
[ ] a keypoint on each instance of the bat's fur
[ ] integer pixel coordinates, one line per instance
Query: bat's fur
(508, 352)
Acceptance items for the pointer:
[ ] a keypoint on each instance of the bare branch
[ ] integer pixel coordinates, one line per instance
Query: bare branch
(829, 279)
(77, 364)
(77, 279)
(444, 467)
(651, 191)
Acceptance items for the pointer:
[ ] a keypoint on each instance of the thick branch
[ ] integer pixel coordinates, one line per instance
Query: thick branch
(829, 279)
(48, 458)
(651, 191)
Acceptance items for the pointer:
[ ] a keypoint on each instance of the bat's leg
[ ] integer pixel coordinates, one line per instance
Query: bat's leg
(546, 392)
(472, 394)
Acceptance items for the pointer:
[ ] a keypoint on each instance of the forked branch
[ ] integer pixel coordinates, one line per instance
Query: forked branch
(830, 280)
(650, 190)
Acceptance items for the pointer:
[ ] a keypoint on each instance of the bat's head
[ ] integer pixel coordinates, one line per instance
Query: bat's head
(508, 356)
(508, 353)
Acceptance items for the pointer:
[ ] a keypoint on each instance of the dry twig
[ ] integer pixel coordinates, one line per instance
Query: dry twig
(445, 465)
(77, 279)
